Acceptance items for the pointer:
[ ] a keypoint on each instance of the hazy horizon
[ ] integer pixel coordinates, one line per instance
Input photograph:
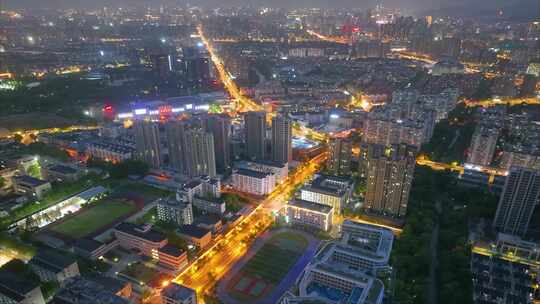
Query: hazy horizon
(414, 5)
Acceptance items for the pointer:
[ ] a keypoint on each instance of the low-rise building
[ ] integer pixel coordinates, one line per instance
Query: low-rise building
(91, 248)
(324, 279)
(94, 290)
(28, 185)
(478, 179)
(60, 173)
(280, 170)
(172, 257)
(108, 151)
(210, 222)
(310, 214)
(197, 236)
(210, 204)
(173, 211)
(332, 191)
(346, 270)
(150, 243)
(364, 246)
(203, 187)
(178, 294)
(253, 182)
(53, 267)
(15, 289)
(140, 237)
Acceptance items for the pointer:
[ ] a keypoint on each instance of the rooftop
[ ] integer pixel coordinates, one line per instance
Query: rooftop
(311, 206)
(331, 185)
(177, 291)
(370, 241)
(88, 291)
(87, 244)
(62, 169)
(14, 286)
(191, 184)
(270, 163)
(251, 173)
(171, 250)
(29, 180)
(193, 231)
(208, 220)
(52, 261)
(141, 232)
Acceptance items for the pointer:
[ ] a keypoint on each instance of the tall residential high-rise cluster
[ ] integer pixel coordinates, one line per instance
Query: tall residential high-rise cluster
(389, 172)
(339, 161)
(281, 140)
(255, 138)
(219, 126)
(255, 124)
(147, 143)
(518, 200)
(194, 148)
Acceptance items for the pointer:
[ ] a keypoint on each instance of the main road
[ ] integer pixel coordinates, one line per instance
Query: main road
(243, 103)
(204, 272)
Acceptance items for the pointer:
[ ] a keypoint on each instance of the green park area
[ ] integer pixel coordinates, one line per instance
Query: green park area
(451, 137)
(268, 266)
(93, 218)
(436, 200)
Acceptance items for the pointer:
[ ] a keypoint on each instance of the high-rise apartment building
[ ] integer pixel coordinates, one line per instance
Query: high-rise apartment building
(147, 143)
(199, 151)
(175, 133)
(483, 143)
(339, 162)
(389, 172)
(219, 126)
(255, 123)
(518, 200)
(281, 139)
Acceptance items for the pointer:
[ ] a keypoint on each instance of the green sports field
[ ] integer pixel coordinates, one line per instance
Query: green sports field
(267, 267)
(272, 262)
(93, 218)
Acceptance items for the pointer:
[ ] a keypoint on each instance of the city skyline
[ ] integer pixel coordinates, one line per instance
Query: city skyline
(344, 152)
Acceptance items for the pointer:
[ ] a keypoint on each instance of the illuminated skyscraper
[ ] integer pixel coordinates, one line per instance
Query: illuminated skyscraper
(389, 177)
(255, 123)
(518, 200)
(199, 151)
(175, 132)
(339, 162)
(147, 143)
(281, 139)
(219, 126)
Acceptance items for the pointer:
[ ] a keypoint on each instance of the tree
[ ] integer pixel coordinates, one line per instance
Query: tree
(2, 182)
(34, 170)
(128, 167)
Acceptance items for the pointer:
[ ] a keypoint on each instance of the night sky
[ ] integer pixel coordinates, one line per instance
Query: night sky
(532, 7)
